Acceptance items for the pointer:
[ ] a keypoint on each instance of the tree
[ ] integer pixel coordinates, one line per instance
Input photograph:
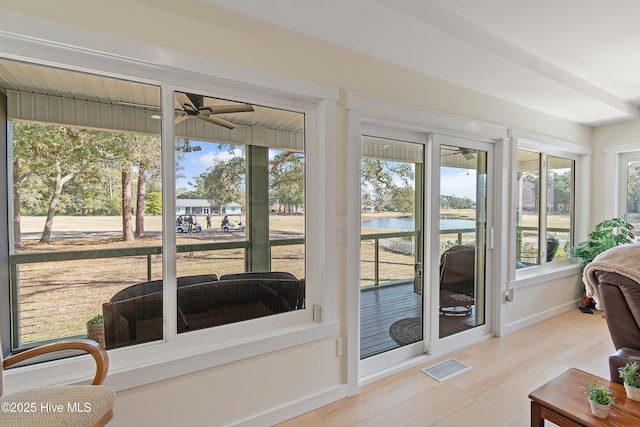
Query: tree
(286, 179)
(633, 187)
(57, 153)
(379, 182)
(127, 211)
(48, 161)
(154, 203)
(559, 183)
(131, 153)
(222, 183)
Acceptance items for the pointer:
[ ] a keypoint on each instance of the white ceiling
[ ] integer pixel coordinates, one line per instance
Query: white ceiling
(575, 59)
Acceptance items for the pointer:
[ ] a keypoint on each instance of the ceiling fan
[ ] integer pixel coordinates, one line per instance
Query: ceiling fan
(466, 153)
(193, 106)
(186, 147)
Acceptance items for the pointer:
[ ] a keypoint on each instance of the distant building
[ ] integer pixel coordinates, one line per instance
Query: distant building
(203, 207)
(232, 208)
(193, 206)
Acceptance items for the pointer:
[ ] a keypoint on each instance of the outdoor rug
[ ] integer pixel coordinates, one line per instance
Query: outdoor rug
(406, 331)
(409, 330)
(450, 325)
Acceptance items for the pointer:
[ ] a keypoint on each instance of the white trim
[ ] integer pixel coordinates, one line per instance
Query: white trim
(622, 148)
(385, 118)
(24, 37)
(299, 407)
(42, 42)
(537, 275)
(352, 279)
(539, 317)
(617, 159)
(384, 112)
(555, 147)
(620, 163)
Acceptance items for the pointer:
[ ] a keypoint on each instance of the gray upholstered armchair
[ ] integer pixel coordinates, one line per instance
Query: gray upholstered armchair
(76, 405)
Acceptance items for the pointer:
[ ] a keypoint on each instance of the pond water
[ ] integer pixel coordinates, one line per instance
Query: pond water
(409, 223)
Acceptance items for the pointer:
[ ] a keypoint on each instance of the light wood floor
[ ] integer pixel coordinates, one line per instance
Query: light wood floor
(493, 393)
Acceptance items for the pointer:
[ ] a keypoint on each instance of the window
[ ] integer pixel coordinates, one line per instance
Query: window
(243, 164)
(631, 188)
(545, 208)
(85, 183)
(207, 347)
(86, 190)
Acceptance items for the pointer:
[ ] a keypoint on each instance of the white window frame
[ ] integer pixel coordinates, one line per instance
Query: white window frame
(82, 50)
(581, 155)
(623, 182)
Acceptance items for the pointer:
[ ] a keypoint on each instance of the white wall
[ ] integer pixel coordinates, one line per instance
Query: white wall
(239, 391)
(533, 304)
(607, 142)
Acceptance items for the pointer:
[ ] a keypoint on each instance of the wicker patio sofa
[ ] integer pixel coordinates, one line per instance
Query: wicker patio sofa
(134, 315)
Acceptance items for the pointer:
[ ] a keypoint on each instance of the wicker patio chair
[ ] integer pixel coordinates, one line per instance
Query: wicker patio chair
(75, 405)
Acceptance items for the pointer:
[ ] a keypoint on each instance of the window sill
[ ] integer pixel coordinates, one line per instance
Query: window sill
(536, 275)
(147, 363)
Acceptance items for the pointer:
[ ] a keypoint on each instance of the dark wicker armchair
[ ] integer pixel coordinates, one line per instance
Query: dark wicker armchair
(457, 280)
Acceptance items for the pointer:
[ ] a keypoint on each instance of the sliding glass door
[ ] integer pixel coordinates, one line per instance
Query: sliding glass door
(420, 289)
(392, 175)
(465, 231)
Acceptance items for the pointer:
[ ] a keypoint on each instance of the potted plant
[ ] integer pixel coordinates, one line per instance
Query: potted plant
(606, 235)
(600, 399)
(631, 377)
(95, 329)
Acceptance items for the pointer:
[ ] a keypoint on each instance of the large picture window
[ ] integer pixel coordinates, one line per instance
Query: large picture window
(545, 208)
(86, 183)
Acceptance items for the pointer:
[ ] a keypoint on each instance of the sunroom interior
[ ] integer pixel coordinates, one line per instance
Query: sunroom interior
(534, 175)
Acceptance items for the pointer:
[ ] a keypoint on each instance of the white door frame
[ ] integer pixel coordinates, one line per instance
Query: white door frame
(363, 110)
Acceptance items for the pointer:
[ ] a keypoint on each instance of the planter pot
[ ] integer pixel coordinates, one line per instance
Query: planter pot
(600, 411)
(633, 393)
(96, 333)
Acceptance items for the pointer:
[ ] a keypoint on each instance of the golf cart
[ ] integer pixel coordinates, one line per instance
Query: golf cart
(232, 227)
(182, 226)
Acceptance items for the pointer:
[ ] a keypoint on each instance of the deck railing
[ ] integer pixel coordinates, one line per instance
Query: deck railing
(399, 244)
(105, 272)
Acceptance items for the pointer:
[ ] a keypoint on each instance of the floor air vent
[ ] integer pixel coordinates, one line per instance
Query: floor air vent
(446, 369)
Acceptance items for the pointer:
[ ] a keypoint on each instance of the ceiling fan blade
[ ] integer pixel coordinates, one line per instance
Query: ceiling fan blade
(134, 104)
(181, 117)
(217, 121)
(222, 109)
(185, 102)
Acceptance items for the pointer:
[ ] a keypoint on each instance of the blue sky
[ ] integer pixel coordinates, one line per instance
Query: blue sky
(458, 182)
(197, 162)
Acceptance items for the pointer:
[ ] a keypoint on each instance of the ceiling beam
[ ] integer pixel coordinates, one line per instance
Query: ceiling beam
(437, 17)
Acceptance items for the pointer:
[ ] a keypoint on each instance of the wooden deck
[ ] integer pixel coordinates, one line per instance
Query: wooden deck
(381, 306)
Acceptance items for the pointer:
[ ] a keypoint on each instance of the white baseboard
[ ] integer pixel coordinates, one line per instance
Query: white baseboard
(539, 317)
(294, 409)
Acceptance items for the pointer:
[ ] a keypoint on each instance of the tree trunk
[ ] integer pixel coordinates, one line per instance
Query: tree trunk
(127, 222)
(17, 188)
(60, 182)
(141, 202)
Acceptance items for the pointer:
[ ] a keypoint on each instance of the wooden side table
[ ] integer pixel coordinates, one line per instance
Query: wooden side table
(563, 402)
